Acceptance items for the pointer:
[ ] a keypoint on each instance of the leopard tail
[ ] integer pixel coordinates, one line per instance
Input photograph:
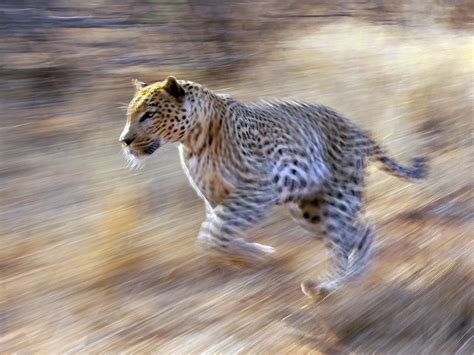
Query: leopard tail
(418, 169)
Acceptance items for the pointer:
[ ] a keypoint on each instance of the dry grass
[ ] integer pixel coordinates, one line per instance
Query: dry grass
(97, 258)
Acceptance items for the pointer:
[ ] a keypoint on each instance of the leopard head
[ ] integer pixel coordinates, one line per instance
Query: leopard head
(157, 114)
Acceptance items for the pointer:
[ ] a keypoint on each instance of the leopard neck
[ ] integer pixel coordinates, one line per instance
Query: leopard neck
(206, 110)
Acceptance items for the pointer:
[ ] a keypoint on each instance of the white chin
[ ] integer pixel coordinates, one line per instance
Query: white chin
(134, 161)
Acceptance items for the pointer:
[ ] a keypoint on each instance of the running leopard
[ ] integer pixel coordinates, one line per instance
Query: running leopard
(242, 159)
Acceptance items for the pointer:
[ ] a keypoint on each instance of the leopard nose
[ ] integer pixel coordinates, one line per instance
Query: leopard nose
(127, 140)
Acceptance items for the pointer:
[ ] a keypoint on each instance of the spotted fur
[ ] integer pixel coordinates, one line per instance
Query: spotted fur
(242, 159)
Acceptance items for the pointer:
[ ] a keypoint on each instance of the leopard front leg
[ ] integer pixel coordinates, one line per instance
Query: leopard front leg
(223, 230)
(184, 158)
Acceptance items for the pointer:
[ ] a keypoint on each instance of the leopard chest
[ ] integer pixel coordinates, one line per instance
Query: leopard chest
(208, 176)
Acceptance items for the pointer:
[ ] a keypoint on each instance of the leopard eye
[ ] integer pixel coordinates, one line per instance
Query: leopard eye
(145, 116)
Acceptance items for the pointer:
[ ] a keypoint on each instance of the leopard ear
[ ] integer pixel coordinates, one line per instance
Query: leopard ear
(173, 88)
(138, 84)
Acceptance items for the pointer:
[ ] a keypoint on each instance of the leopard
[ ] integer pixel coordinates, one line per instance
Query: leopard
(242, 159)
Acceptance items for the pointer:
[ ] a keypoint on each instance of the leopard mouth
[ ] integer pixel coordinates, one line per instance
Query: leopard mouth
(136, 156)
(151, 148)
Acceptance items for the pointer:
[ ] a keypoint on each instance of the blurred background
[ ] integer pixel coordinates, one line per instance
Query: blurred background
(95, 257)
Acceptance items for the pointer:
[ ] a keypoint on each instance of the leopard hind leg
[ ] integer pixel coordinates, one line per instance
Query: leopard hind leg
(349, 239)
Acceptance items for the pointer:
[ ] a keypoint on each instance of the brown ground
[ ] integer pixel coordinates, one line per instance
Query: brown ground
(97, 258)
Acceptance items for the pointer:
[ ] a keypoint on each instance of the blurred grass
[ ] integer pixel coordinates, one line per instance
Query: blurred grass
(96, 258)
